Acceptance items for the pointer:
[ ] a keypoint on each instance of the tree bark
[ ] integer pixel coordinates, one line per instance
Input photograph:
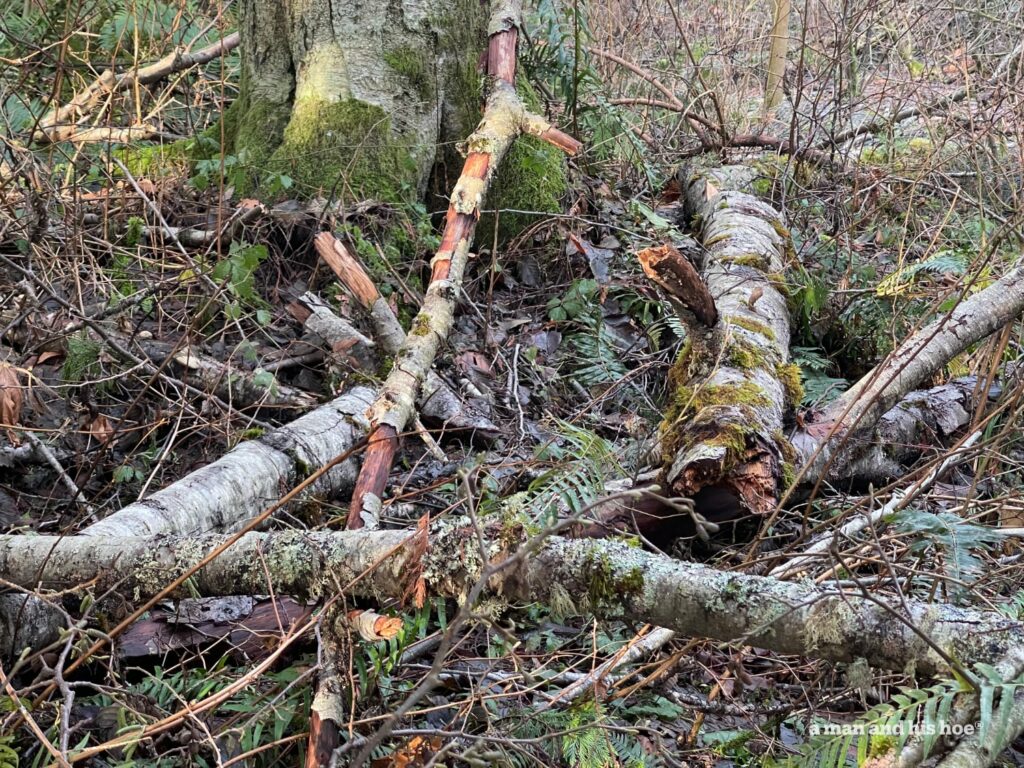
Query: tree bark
(351, 98)
(829, 442)
(607, 578)
(732, 384)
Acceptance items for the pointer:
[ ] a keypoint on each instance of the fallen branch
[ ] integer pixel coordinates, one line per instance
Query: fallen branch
(504, 120)
(437, 401)
(60, 123)
(234, 386)
(906, 368)
(789, 618)
(899, 500)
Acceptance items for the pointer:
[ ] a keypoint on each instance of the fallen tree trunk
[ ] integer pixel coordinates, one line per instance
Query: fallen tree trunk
(220, 495)
(827, 444)
(225, 493)
(607, 578)
(732, 384)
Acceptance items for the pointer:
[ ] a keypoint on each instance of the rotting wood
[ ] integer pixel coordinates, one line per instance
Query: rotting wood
(674, 273)
(732, 384)
(503, 121)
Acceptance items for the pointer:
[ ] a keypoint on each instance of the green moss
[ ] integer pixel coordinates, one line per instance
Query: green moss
(754, 326)
(691, 416)
(531, 177)
(755, 260)
(763, 187)
(606, 587)
(778, 281)
(346, 147)
(259, 129)
(788, 375)
(679, 373)
(788, 475)
(420, 326)
(733, 438)
(415, 66)
(744, 355)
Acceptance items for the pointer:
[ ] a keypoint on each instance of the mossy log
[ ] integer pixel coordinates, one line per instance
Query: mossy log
(732, 384)
(606, 578)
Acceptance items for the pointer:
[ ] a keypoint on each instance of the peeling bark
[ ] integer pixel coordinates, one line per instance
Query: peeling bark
(503, 121)
(437, 402)
(921, 422)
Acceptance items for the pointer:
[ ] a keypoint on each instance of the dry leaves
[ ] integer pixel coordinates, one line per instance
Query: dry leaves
(100, 428)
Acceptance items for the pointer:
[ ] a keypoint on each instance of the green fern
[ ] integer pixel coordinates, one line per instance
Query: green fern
(925, 712)
(8, 756)
(82, 360)
(953, 537)
(819, 387)
(576, 484)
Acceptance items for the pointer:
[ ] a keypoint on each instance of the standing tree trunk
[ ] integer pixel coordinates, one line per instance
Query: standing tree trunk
(353, 97)
(781, 10)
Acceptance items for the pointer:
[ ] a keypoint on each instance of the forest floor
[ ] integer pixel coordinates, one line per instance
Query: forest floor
(560, 341)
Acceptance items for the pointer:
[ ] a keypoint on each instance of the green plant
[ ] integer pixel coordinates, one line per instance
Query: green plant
(595, 356)
(924, 712)
(819, 387)
(237, 272)
(8, 757)
(82, 358)
(949, 535)
(376, 662)
(585, 740)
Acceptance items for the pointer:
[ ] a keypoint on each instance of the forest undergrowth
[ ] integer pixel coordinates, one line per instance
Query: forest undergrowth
(151, 320)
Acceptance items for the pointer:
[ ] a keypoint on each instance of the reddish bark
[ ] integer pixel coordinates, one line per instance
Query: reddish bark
(563, 141)
(373, 476)
(667, 267)
(323, 740)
